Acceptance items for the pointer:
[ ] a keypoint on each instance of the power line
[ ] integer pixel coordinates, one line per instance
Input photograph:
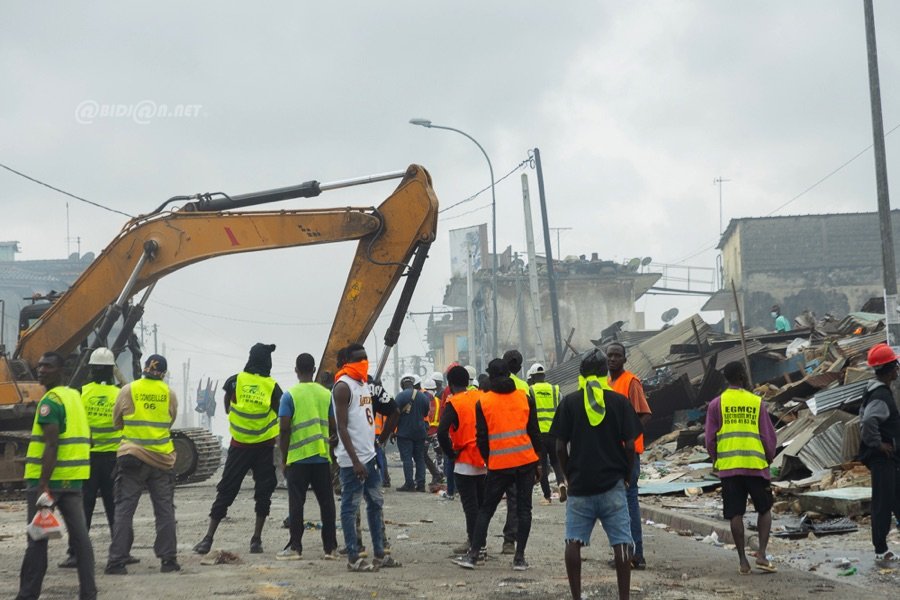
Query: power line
(56, 189)
(855, 156)
(483, 190)
(250, 321)
(706, 247)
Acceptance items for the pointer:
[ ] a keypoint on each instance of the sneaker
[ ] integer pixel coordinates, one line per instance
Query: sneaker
(638, 563)
(169, 566)
(132, 560)
(117, 569)
(360, 566)
(333, 555)
(466, 562)
(256, 546)
(386, 562)
(406, 488)
(69, 563)
(203, 546)
(420, 488)
(887, 559)
(563, 492)
(386, 483)
(519, 564)
(481, 559)
(288, 554)
(546, 502)
(508, 548)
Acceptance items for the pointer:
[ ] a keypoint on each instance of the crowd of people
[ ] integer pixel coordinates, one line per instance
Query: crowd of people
(492, 437)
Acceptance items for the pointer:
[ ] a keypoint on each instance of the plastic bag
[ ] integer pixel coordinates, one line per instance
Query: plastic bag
(44, 525)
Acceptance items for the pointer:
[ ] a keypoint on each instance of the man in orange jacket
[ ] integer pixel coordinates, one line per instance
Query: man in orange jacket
(626, 383)
(509, 439)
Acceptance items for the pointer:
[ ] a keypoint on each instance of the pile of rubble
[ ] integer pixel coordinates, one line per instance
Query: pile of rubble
(812, 380)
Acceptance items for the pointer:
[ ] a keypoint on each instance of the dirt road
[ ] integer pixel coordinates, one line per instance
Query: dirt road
(679, 567)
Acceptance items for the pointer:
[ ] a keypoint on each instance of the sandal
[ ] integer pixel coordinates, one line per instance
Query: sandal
(767, 567)
(360, 566)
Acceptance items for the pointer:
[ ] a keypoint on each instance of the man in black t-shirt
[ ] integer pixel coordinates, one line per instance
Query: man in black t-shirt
(595, 429)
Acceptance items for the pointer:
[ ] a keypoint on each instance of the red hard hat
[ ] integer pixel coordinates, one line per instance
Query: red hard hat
(881, 354)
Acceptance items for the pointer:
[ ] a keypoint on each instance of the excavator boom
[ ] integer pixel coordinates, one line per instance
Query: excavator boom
(167, 241)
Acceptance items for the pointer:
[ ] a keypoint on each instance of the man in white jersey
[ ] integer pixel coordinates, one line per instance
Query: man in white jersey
(354, 414)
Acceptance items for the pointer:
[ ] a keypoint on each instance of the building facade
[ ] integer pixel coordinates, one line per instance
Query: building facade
(818, 263)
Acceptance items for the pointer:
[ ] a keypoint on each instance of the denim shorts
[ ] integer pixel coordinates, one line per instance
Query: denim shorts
(610, 507)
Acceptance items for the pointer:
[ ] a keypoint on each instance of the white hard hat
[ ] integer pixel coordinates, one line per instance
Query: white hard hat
(408, 376)
(102, 357)
(473, 374)
(429, 384)
(438, 376)
(535, 369)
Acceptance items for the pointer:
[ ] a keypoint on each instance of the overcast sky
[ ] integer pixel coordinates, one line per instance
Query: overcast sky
(635, 106)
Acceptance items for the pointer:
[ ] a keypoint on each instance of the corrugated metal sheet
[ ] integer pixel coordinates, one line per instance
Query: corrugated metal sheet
(655, 351)
(837, 397)
(694, 369)
(824, 450)
(854, 346)
(566, 374)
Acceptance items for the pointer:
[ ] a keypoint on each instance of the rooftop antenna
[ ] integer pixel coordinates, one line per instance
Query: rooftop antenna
(719, 181)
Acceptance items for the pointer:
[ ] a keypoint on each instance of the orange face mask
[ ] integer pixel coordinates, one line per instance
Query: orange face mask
(356, 370)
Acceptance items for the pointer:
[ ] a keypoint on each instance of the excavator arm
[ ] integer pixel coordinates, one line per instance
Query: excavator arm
(150, 247)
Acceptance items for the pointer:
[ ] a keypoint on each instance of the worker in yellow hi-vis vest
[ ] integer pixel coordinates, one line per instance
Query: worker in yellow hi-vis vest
(741, 443)
(145, 410)
(56, 465)
(252, 399)
(303, 439)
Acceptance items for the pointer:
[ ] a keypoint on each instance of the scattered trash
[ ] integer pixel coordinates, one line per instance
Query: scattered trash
(221, 557)
(847, 572)
(712, 538)
(402, 536)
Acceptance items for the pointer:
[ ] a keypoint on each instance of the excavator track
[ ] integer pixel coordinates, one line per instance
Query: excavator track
(13, 446)
(199, 455)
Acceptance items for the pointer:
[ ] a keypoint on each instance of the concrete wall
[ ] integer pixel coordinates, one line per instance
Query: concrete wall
(589, 304)
(823, 263)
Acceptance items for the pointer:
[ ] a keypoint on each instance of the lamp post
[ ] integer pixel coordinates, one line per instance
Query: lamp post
(430, 125)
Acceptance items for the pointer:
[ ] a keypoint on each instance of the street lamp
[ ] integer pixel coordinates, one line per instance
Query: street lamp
(430, 125)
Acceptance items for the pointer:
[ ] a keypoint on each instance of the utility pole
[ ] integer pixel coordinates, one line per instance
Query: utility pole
(719, 181)
(551, 277)
(532, 275)
(185, 374)
(557, 230)
(155, 348)
(892, 318)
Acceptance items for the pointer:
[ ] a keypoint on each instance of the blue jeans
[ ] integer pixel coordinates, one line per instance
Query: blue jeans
(448, 475)
(583, 512)
(634, 509)
(412, 452)
(382, 464)
(352, 492)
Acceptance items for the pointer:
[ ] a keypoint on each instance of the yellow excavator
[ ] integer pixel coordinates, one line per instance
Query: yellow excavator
(393, 242)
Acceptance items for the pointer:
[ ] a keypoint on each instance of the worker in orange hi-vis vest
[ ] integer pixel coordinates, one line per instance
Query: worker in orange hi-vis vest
(509, 439)
(626, 383)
